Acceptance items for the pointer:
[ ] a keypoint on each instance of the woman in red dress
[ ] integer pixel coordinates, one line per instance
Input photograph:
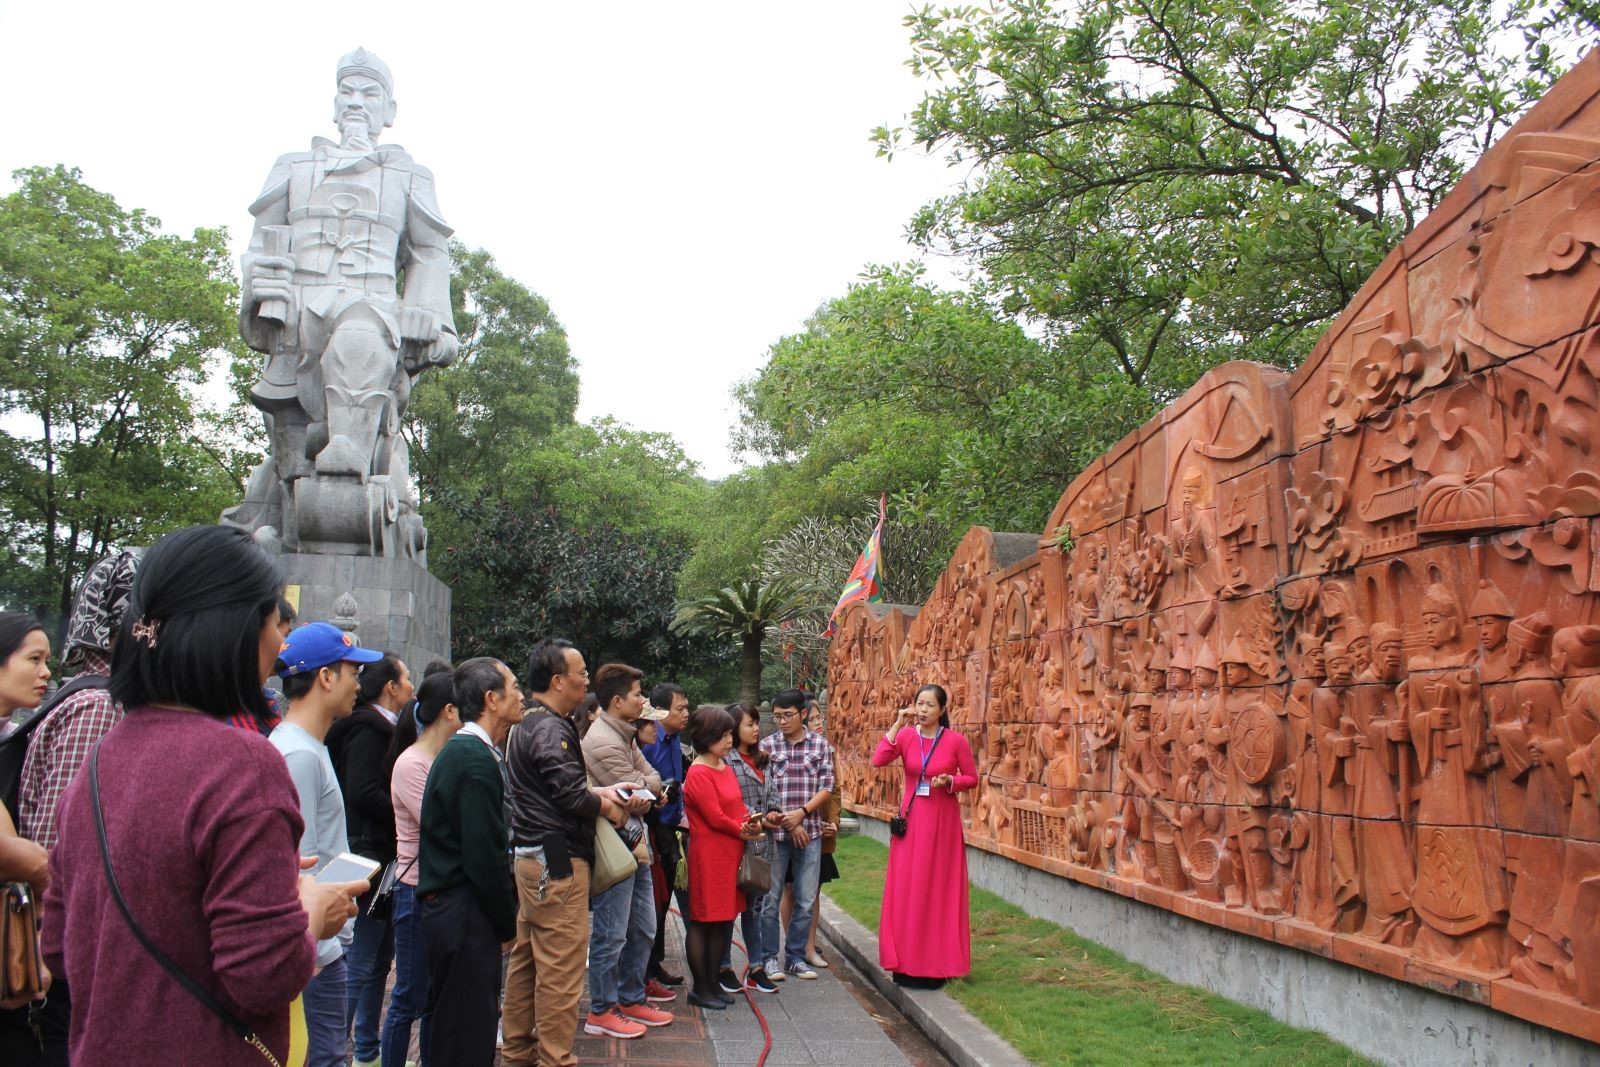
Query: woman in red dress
(719, 826)
(923, 936)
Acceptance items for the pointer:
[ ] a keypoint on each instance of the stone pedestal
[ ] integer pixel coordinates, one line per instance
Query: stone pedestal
(400, 607)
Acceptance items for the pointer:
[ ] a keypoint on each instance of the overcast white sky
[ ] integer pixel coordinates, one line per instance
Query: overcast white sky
(684, 183)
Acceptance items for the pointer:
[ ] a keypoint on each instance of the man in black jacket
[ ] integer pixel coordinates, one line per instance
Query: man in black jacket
(552, 830)
(359, 746)
(468, 905)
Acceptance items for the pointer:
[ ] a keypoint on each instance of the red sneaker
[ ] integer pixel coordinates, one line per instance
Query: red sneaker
(645, 1015)
(656, 993)
(612, 1024)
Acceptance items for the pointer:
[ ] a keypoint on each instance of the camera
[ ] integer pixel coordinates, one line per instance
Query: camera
(632, 831)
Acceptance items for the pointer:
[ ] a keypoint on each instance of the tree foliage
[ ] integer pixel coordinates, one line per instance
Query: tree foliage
(743, 612)
(900, 387)
(108, 331)
(522, 570)
(1167, 184)
(542, 525)
(514, 382)
(818, 554)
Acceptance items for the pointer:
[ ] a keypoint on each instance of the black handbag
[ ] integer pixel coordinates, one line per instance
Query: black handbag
(190, 986)
(897, 824)
(382, 904)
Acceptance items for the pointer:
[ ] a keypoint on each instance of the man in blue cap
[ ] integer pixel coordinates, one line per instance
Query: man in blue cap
(320, 666)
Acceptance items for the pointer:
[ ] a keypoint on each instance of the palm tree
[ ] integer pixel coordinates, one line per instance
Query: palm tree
(743, 611)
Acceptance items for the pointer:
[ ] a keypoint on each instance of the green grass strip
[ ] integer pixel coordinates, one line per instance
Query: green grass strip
(1060, 999)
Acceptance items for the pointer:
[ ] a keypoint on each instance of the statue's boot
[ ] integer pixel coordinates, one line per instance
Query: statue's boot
(353, 427)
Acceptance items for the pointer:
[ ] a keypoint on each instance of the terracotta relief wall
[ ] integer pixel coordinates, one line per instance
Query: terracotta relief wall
(1316, 658)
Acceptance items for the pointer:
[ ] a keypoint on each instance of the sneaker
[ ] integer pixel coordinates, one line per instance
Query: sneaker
(759, 981)
(645, 1015)
(728, 982)
(816, 960)
(656, 993)
(666, 977)
(611, 1024)
(800, 969)
(775, 971)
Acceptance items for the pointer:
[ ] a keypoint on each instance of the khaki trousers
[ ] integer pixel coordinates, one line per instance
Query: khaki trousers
(544, 978)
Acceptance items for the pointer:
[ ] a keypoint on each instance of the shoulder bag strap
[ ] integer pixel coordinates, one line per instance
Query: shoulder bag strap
(923, 772)
(189, 984)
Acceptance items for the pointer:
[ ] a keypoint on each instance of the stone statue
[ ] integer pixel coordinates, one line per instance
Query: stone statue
(346, 290)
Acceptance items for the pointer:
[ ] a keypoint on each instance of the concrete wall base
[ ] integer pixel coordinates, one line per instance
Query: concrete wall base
(400, 606)
(1392, 1022)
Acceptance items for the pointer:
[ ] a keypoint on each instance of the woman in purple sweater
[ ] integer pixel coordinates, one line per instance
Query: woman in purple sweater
(202, 825)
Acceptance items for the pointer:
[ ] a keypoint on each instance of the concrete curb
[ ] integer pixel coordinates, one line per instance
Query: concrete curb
(952, 1028)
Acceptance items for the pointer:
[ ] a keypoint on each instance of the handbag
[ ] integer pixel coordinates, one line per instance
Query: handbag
(382, 903)
(613, 859)
(21, 962)
(190, 986)
(897, 824)
(755, 873)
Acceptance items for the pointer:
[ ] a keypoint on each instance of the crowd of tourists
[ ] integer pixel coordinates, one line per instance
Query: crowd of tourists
(176, 825)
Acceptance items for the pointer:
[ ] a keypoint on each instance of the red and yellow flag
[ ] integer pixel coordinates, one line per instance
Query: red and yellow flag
(863, 581)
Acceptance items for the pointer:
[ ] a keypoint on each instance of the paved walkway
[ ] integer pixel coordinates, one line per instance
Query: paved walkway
(818, 1023)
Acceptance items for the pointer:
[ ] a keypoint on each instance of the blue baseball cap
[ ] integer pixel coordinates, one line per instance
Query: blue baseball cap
(321, 644)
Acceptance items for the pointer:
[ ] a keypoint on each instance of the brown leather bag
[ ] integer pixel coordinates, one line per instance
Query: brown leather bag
(21, 963)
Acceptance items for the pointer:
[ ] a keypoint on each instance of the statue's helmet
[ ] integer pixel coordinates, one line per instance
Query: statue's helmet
(362, 61)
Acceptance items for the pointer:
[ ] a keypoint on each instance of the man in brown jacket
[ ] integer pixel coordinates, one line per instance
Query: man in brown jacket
(624, 916)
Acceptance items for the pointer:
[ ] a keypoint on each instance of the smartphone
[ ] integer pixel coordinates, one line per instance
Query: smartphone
(629, 794)
(349, 867)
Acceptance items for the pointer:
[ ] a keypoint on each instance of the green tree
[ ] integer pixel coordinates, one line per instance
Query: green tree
(744, 612)
(521, 570)
(819, 554)
(900, 387)
(605, 471)
(109, 329)
(737, 515)
(1164, 186)
(514, 382)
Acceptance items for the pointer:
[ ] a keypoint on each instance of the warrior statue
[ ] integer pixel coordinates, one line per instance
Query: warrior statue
(347, 293)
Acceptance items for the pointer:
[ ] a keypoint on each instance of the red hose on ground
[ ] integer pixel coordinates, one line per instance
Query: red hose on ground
(766, 1034)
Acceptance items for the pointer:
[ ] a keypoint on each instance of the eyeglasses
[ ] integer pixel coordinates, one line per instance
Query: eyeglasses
(785, 714)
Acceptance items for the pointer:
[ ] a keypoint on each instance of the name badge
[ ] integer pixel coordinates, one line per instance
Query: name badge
(922, 788)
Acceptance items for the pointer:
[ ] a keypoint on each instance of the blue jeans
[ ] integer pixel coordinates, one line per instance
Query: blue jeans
(410, 998)
(750, 920)
(368, 958)
(619, 944)
(325, 1016)
(807, 864)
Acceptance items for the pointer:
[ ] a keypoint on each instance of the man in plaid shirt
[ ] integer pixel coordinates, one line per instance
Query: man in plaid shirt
(801, 773)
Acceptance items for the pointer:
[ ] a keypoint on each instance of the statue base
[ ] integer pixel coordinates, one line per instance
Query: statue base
(399, 606)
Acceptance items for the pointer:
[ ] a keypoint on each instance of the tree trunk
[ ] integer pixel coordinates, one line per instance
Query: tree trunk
(750, 670)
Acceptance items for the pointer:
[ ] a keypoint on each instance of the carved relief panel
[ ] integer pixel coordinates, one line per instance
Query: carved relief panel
(1317, 658)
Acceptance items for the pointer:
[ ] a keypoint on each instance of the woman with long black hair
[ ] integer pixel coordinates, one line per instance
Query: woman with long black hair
(923, 935)
(198, 824)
